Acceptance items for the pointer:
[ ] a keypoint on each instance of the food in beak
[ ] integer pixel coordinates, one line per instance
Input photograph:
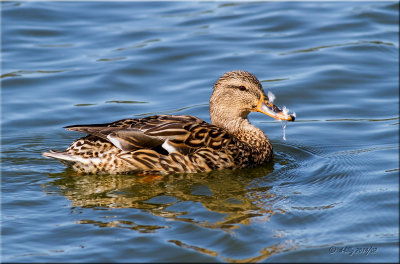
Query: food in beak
(265, 106)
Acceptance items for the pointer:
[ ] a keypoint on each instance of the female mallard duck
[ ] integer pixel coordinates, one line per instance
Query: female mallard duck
(164, 144)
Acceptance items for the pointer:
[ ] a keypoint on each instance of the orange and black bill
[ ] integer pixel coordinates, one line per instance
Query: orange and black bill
(266, 107)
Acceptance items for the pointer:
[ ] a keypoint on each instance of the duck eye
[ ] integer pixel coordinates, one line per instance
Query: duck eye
(242, 88)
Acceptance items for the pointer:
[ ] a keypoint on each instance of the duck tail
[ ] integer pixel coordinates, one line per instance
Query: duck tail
(63, 157)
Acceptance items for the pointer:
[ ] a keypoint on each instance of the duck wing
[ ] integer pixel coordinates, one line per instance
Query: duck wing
(181, 134)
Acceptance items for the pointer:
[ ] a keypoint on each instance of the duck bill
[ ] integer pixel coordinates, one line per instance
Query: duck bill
(268, 108)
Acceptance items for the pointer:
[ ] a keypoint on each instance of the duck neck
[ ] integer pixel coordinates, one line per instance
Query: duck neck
(228, 116)
(247, 135)
(244, 131)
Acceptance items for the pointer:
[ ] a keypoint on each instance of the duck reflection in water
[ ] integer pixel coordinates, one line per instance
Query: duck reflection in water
(220, 200)
(237, 200)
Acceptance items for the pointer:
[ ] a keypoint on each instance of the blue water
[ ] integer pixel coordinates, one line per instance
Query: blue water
(330, 195)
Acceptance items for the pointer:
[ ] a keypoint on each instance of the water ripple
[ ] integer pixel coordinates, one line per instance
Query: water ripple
(332, 183)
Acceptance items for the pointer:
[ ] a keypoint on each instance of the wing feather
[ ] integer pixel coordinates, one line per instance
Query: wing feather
(184, 133)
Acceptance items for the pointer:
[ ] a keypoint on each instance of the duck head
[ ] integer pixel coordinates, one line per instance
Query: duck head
(238, 93)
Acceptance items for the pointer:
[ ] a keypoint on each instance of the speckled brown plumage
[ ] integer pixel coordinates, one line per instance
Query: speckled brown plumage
(179, 143)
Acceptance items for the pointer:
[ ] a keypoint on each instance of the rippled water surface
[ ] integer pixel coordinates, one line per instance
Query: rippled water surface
(331, 193)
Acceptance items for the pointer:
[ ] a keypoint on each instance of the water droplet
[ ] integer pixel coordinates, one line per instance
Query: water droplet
(284, 123)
